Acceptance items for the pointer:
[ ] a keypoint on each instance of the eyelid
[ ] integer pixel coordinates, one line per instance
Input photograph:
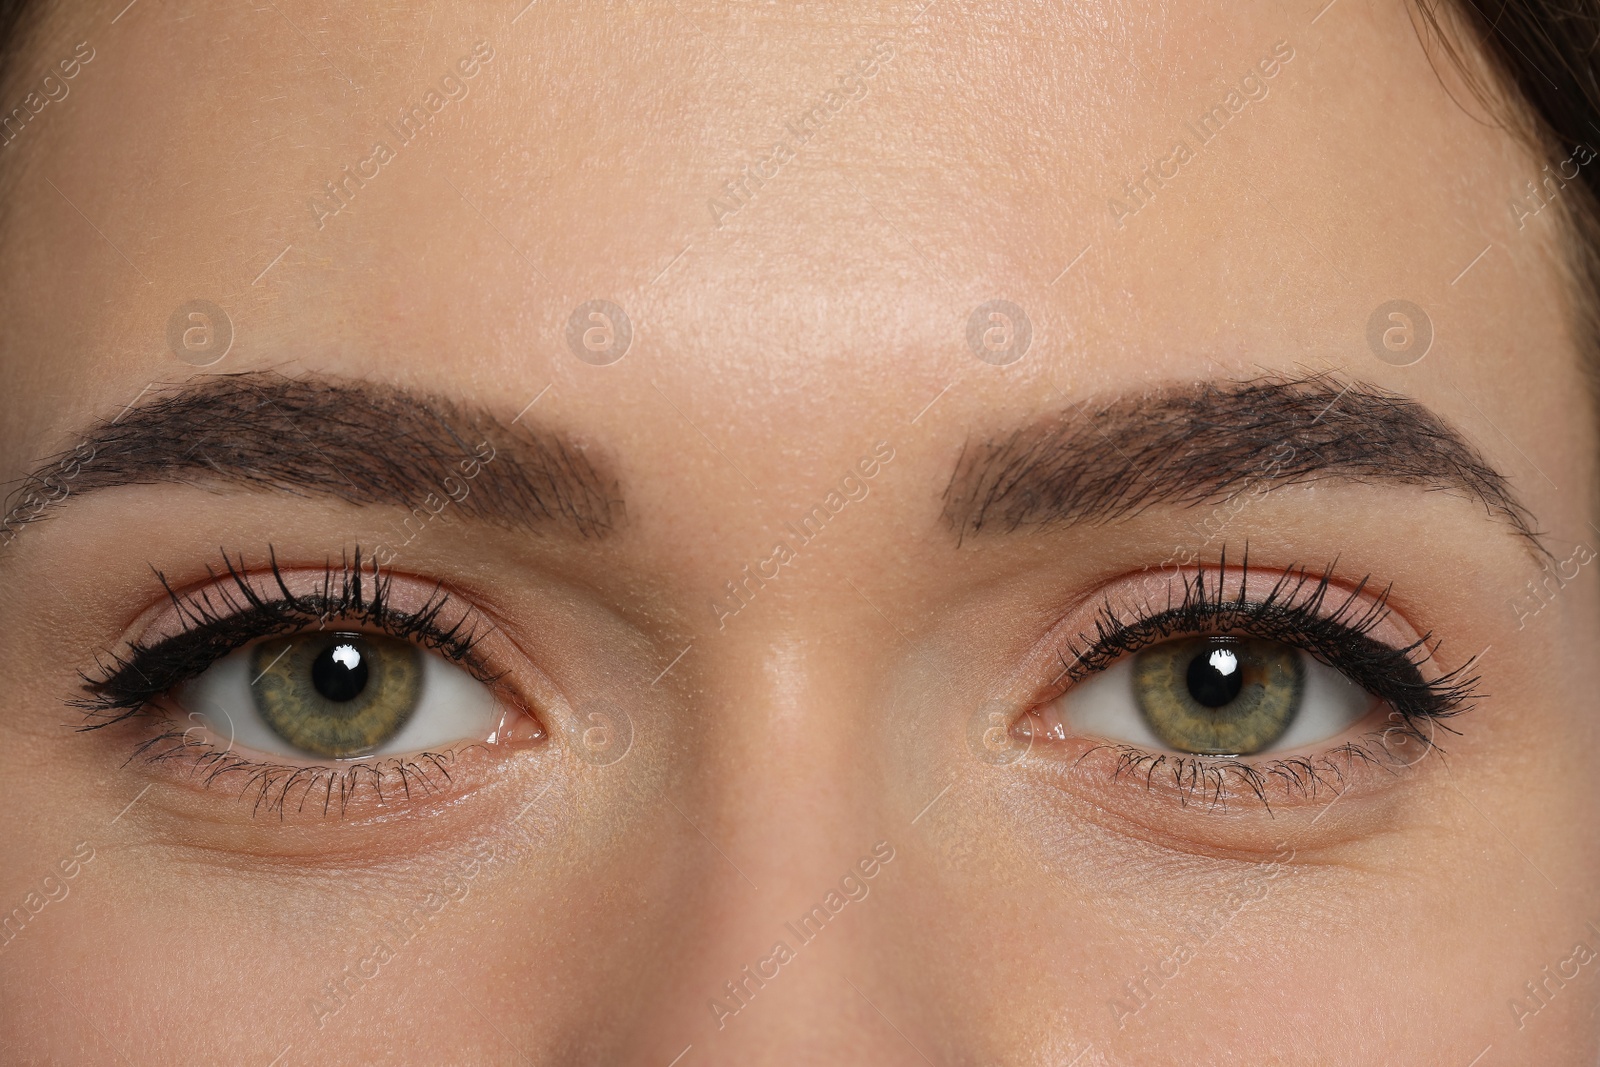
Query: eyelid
(238, 605)
(175, 614)
(1150, 593)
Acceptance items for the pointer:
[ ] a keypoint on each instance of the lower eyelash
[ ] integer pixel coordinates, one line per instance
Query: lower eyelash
(1199, 779)
(284, 788)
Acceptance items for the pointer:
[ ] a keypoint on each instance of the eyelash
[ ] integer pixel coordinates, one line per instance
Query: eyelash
(1294, 616)
(232, 613)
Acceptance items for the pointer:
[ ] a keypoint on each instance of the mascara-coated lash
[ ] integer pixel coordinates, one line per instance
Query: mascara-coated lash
(231, 612)
(1294, 611)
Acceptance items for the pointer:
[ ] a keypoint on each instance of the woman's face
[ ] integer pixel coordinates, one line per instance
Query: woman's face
(916, 533)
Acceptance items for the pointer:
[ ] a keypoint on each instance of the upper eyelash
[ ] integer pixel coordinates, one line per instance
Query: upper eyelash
(1293, 616)
(238, 614)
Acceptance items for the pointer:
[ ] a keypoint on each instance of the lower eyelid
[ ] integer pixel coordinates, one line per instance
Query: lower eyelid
(199, 774)
(197, 763)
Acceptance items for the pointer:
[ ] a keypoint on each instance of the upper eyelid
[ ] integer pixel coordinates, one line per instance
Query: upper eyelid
(1204, 608)
(129, 664)
(358, 581)
(1153, 629)
(1126, 604)
(1351, 648)
(1225, 586)
(202, 619)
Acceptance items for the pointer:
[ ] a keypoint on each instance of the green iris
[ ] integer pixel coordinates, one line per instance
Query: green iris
(1219, 695)
(336, 694)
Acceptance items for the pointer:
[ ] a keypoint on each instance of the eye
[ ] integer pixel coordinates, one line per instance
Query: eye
(339, 691)
(1220, 695)
(1198, 671)
(339, 695)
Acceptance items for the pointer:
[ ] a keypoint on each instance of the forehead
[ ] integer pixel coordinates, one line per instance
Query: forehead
(796, 203)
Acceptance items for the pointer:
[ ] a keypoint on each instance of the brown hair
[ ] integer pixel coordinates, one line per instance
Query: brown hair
(11, 34)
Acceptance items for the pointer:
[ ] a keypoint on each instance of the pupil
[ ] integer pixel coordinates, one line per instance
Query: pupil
(1214, 678)
(340, 673)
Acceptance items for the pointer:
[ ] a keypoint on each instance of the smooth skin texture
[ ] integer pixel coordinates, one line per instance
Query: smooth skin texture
(772, 352)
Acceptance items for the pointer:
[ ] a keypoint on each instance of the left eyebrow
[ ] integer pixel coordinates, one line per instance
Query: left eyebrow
(1204, 444)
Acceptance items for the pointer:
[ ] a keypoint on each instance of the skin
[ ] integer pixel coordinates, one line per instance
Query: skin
(770, 354)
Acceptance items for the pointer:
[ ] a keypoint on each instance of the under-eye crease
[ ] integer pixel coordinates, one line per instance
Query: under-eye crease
(237, 609)
(1293, 610)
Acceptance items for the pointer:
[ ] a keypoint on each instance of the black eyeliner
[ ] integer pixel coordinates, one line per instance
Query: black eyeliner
(232, 613)
(1295, 612)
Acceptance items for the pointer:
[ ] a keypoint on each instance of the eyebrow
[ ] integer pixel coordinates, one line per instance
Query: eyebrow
(361, 442)
(1209, 443)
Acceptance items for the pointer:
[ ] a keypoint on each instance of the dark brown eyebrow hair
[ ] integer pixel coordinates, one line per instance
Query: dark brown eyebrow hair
(357, 441)
(1203, 444)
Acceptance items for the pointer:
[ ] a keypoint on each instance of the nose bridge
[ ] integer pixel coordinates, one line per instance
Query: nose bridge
(784, 805)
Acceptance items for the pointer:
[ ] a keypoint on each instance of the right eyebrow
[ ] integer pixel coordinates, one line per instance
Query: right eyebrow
(361, 442)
